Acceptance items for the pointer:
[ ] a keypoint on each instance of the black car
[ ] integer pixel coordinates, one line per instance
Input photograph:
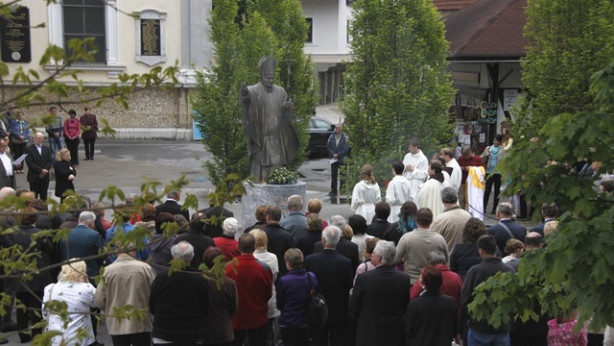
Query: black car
(319, 131)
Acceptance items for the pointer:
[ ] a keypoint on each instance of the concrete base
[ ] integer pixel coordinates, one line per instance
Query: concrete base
(264, 194)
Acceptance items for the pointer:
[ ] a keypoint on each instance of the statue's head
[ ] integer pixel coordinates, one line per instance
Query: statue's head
(267, 71)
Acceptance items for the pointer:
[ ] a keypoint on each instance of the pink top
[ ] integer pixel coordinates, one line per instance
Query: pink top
(72, 128)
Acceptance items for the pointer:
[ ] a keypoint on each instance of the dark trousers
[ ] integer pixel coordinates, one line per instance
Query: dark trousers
(28, 315)
(294, 336)
(256, 336)
(18, 150)
(494, 178)
(89, 148)
(334, 169)
(136, 339)
(40, 187)
(528, 339)
(331, 335)
(73, 146)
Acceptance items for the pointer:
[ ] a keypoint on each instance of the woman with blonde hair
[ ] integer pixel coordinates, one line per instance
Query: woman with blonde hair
(64, 173)
(74, 289)
(366, 193)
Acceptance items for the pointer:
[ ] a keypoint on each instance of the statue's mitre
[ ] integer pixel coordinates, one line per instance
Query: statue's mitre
(267, 64)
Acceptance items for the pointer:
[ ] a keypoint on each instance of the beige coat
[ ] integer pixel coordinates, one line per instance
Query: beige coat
(450, 225)
(126, 282)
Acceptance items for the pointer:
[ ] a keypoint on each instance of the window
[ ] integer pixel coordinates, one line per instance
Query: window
(83, 19)
(150, 37)
(309, 30)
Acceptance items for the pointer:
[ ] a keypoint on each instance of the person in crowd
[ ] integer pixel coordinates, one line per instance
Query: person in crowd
(171, 205)
(465, 254)
(39, 163)
(492, 155)
(347, 232)
(307, 242)
(6, 118)
(405, 224)
(514, 249)
(445, 171)
(126, 282)
(549, 213)
(223, 303)
(344, 247)
(197, 238)
(429, 193)
(102, 224)
(359, 227)
(55, 131)
(365, 194)
(549, 228)
(468, 159)
(160, 244)
(262, 255)
(7, 168)
(334, 274)
(65, 174)
(379, 300)
(506, 228)
(294, 294)
(227, 242)
(366, 265)
(416, 167)
(254, 285)
(414, 247)
(432, 318)
(20, 133)
(451, 222)
(450, 162)
(121, 229)
(74, 289)
(481, 332)
(182, 224)
(380, 223)
(398, 191)
(451, 285)
(279, 239)
(83, 241)
(148, 218)
(89, 127)
(533, 240)
(295, 222)
(260, 219)
(314, 206)
(338, 149)
(179, 302)
(72, 130)
(215, 216)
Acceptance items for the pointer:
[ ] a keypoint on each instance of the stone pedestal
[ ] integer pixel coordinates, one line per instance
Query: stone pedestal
(264, 194)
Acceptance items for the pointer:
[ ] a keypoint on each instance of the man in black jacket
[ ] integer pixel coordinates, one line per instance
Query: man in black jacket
(279, 239)
(39, 163)
(196, 236)
(171, 205)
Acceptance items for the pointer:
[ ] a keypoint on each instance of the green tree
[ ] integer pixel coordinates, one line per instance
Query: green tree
(265, 27)
(574, 271)
(568, 41)
(397, 84)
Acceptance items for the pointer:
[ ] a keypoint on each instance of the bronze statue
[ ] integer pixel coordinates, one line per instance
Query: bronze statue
(267, 115)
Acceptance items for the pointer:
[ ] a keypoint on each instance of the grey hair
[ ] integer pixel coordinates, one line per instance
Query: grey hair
(386, 250)
(505, 208)
(230, 226)
(449, 195)
(437, 257)
(337, 220)
(295, 203)
(87, 216)
(173, 194)
(331, 235)
(183, 251)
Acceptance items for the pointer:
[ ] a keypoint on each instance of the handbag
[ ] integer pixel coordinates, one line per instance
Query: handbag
(563, 334)
(318, 310)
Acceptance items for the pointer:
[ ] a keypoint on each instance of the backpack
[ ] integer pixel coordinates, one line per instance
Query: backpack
(318, 310)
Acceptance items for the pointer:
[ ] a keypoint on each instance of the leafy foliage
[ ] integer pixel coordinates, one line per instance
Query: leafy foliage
(574, 271)
(568, 41)
(397, 84)
(265, 27)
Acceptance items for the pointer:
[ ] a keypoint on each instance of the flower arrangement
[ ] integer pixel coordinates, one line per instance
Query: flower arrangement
(282, 176)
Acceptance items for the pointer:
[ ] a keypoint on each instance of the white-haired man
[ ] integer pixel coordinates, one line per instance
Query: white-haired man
(83, 241)
(335, 275)
(379, 300)
(295, 222)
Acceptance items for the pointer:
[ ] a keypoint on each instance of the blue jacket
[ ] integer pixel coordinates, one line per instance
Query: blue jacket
(294, 296)
(126, 228)
(342, 149)
(295, 223)
(83, 242)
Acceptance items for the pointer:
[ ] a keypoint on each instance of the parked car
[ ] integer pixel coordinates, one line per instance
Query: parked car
(319, 131)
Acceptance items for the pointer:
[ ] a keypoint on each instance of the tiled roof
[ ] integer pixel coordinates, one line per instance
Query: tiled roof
(451, 5)
(487, 29)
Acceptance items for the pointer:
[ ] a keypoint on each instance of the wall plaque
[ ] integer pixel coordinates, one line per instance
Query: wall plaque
(150, 37)
(15, 36)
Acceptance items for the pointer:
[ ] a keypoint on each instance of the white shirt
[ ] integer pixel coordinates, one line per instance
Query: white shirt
(420, 172)
(271, 260)
(456, 177)
(8, 164)
(397, 193)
